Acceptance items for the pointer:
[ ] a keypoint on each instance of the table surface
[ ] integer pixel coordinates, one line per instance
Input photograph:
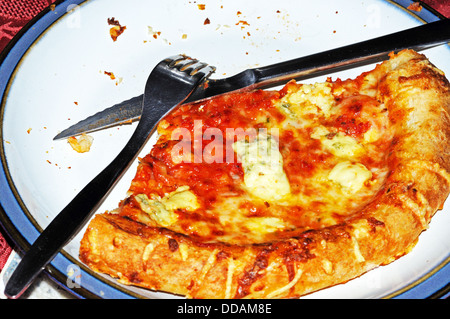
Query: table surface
(14, 14)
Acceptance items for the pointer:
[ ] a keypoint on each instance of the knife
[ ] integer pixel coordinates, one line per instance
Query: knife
(361, 53)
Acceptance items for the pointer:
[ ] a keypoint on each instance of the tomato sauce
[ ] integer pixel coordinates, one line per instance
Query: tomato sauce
(351, 120)
(300, 158)
(210, 170)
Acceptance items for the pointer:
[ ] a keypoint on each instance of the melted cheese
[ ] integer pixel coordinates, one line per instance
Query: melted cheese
(162, 210)
(372, 135)
(351, 177)
(343, 146)
(182, 198)
(303, 183)
(184, 251)
(262, 162)
(264, 224)
(338, 144)
(359, 257)
(309, 98)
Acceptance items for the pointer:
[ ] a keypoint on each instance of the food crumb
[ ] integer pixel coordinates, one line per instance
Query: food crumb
(242, 22)
(415, 6)
(82, 144)
(116, 30)
(201, 6)
(110, 74)
(29, 130)
(153, 33)
(207, 21)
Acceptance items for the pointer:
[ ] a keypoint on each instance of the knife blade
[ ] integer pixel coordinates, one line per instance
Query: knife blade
(361, 53)
(118, 114)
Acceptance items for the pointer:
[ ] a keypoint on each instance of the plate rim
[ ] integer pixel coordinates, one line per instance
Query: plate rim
(31, 34)
(25, 39)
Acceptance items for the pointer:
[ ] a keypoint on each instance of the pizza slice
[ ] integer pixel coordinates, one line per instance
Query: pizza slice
(277, 194)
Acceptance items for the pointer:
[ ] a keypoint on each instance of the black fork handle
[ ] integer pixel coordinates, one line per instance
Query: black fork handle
(156, 103)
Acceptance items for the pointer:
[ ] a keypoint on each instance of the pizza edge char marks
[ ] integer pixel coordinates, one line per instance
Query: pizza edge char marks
(415, 97)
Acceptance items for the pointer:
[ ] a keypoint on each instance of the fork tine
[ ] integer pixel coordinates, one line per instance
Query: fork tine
(174, 60)
(188, 65)
(196, 67)
(179, 61)
(184, 64)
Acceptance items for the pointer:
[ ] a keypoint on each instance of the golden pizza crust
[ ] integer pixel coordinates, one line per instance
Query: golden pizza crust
(417, 97)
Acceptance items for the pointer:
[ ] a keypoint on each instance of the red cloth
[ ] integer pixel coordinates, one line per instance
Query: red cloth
(441, 6)
(14, 14)
(5, 251)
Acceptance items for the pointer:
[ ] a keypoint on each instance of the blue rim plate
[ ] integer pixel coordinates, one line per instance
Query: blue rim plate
(26, 209)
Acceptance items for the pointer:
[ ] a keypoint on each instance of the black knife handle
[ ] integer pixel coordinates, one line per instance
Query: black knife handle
(369, 51)
(361, 53)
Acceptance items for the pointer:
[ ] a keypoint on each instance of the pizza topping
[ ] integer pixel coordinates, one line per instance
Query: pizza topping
(327, 266)
(182, 198)
(291, 284)
(229, 282)
(337, 143)
(156, 210)
(184, 251)
(351, 177)
(149, 248)
(343, 146)
(162, 210)
(262, 162)
(359, 257)
(264, 224)
(372, 135)
(302, 99)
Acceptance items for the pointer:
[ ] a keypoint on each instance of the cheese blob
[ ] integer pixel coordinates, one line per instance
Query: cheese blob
(351, 177)
(262, 162)
(309, 98)
(162, 210)
(338, 144)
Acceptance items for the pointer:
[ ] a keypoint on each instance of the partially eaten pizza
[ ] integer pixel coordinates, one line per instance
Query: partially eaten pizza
(277, 194)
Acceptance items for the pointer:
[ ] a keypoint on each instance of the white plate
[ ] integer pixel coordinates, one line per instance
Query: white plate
(54, 76)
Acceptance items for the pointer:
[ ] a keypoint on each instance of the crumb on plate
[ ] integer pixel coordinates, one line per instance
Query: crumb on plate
(82, 144)
(116, 30)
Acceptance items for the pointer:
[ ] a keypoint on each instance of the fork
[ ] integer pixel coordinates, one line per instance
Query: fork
(169, 84)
